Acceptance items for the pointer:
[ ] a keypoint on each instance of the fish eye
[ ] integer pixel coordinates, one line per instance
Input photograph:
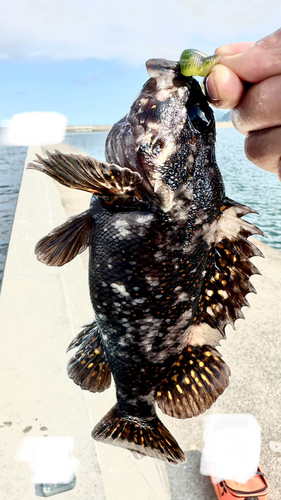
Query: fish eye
(200, 119)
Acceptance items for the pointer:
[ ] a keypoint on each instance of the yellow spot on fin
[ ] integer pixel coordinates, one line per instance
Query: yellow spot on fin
(205, 379)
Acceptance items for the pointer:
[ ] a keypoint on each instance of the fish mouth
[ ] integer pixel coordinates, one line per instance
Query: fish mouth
(158, 67)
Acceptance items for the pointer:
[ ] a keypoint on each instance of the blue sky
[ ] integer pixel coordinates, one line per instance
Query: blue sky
(86, 58)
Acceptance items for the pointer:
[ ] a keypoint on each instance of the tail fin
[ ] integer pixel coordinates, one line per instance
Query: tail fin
(144, 437)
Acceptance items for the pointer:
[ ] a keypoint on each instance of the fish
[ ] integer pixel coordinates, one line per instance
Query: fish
(169, 263)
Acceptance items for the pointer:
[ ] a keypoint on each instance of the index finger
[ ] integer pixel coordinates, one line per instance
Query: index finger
(232, 49)
(257, 62)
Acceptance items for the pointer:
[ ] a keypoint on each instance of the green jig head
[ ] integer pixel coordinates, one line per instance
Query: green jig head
(195, 63)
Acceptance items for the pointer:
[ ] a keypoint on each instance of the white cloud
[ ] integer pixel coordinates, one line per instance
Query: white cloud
(126, 30)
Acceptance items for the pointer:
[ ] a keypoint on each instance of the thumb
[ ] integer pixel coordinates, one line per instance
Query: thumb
(253, 63)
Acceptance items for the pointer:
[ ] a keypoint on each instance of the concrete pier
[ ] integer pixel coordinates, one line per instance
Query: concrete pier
(42, 308)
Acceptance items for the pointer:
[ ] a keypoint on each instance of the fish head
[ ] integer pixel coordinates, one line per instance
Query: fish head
(167, 134)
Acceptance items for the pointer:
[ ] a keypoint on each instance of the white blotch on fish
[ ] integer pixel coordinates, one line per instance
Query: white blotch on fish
(122, 227)
(120, 289)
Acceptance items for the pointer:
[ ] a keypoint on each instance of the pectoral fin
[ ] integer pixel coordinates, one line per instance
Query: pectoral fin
(88, 174)
(64, 242)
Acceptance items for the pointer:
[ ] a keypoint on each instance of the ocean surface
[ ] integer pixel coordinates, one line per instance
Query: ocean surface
(244, 183)
(12, 160)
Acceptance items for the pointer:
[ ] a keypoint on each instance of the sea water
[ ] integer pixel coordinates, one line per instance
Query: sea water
(244, 182)
(12, 160)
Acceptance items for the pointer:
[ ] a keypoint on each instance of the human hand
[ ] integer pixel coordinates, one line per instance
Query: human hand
(248, 81)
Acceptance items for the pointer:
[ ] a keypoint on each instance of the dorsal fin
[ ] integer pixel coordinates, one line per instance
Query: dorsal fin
(227, 278)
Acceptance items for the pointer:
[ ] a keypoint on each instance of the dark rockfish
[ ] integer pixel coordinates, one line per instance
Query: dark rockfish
(169, 263)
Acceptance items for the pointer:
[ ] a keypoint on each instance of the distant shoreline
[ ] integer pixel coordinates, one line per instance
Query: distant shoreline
(106, 128)
(88, 128)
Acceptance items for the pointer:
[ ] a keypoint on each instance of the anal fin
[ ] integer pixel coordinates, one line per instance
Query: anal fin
(88, 368)
(193, 383)
(64, 242)
(143, 437)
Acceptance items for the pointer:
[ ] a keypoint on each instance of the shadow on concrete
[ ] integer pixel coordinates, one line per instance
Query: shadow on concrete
(186, 482)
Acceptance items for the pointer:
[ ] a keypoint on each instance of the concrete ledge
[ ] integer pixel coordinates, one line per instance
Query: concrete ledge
(42, 308)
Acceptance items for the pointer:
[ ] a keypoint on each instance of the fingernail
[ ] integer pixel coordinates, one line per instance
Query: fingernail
(211, 88)
(217, 79)
(224, 50)
(279, 171)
